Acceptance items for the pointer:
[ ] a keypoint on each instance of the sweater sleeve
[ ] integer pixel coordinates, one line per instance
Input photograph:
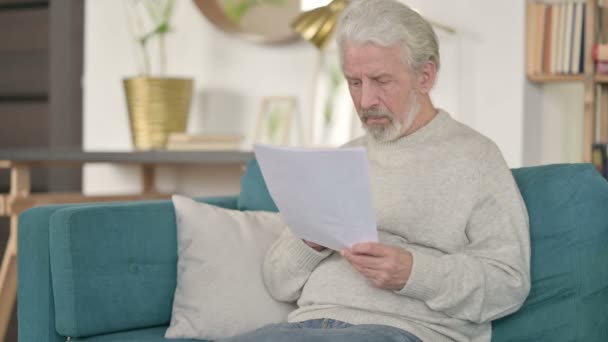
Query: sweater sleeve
(490, 277)
(287, 266)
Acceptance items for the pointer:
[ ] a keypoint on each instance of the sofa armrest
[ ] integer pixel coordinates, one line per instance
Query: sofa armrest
(36, 310)
(98, 258)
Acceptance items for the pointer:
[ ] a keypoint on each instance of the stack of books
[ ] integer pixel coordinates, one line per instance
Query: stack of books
(555, 37)
(201, 142)
(600, 56)
(600, 158)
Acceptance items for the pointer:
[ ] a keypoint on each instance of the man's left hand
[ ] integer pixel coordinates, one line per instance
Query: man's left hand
(386, 267)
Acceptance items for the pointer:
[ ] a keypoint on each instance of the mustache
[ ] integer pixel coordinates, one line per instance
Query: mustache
(376, 113)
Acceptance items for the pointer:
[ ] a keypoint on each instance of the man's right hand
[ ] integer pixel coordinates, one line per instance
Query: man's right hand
(314, 246)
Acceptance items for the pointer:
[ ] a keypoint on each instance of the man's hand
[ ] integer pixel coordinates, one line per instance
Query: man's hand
(314, 246)
(386, 267)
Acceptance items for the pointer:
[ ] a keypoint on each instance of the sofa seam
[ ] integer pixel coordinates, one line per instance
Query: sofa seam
(578, 266)
(68, 221)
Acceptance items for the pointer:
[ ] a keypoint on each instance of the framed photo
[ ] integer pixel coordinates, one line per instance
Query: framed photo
(275, 120)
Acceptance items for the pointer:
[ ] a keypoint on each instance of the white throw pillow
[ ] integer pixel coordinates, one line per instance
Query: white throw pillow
(220, 291)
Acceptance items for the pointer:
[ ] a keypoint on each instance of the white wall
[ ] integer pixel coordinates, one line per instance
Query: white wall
(553, 123)
(490, 66)
(481, 82)
(231, 77)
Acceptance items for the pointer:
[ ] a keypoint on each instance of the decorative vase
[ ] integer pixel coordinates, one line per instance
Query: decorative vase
(157, 107)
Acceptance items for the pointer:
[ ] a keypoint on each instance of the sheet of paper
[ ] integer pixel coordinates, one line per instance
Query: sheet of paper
(323, 195)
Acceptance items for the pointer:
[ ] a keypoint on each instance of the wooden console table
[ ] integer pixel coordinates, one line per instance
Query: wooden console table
(20, 198)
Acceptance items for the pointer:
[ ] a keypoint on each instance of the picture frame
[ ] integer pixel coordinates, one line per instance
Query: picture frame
(274, 121)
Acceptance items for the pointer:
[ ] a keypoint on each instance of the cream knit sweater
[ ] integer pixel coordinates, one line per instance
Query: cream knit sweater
(445, 194)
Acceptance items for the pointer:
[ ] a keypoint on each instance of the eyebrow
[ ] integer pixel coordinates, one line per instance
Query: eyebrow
(375, 77)
(383, 75)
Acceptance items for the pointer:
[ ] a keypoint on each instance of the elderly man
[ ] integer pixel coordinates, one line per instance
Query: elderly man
(454, 241)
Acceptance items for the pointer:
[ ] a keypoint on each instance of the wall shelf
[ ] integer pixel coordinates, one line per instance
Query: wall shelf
(601, 78)
(549, 78)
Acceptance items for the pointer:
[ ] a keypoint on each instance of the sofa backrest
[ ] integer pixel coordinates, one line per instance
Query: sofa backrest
(113, 265)
(568, 301)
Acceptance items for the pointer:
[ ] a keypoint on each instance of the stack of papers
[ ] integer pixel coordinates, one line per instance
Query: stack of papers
(324, 195)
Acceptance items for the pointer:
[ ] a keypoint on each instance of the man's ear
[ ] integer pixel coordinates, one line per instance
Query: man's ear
(427, 77)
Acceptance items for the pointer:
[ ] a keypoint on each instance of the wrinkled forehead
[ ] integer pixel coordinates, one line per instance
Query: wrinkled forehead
(370, 59)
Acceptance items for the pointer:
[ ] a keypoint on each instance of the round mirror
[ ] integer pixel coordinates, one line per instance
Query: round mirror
(262, 21)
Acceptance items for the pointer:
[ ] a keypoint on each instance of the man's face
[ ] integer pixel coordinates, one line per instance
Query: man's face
(381, 86)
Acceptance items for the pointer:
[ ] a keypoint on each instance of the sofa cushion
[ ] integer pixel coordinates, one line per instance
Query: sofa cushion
(113, 266)
(220, 290)
(568, 209)
(254, 194)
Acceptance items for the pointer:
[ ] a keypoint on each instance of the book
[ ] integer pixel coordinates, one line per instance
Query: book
(561, 43)
(581, 66)
(568, 35)
(600, 158)
(555, 36)
(577, 38)
(601, 67)
(198, 142)
(547, 39)
(600, 52)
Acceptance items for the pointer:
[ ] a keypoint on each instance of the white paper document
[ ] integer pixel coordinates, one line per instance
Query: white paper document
(323, 195)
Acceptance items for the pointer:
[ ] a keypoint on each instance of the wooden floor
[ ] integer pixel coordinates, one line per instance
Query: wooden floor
(12, 328)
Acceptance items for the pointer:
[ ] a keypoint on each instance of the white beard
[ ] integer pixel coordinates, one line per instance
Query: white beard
(395, 129)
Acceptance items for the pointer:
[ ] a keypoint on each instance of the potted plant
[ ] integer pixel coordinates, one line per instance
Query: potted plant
(158, 105)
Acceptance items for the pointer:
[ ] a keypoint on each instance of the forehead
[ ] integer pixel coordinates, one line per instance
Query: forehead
(368, 58)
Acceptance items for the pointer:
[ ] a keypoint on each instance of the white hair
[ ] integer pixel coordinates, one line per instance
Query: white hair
(386, 23)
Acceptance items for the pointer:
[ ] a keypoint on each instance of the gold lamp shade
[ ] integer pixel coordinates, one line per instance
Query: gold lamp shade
(157, 107)
(318, 24)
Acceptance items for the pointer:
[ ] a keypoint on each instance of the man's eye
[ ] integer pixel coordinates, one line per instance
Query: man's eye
(354, 83)
(384, 81)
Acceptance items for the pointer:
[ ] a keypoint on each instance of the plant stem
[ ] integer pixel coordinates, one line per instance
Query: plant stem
(142, 43)
(144, 49)
(163, 54)
(130, 12)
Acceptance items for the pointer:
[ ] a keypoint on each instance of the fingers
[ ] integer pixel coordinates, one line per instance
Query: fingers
(379, 278)
(371, 248)
(314, 246)
(362, 260)
(390, 270)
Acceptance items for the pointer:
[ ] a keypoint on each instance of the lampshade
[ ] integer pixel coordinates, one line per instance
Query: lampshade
(318, 24)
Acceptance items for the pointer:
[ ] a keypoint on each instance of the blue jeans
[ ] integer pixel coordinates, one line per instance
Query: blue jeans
(325, 330)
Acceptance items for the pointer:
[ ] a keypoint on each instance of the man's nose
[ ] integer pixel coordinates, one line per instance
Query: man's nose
(369, 96)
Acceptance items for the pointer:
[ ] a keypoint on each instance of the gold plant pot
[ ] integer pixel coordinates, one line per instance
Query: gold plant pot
(157, 107)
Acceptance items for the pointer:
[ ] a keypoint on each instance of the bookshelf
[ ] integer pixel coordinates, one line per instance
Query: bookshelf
(543, 34)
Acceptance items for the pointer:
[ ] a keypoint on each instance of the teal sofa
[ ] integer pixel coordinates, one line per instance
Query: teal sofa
(106, 272)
